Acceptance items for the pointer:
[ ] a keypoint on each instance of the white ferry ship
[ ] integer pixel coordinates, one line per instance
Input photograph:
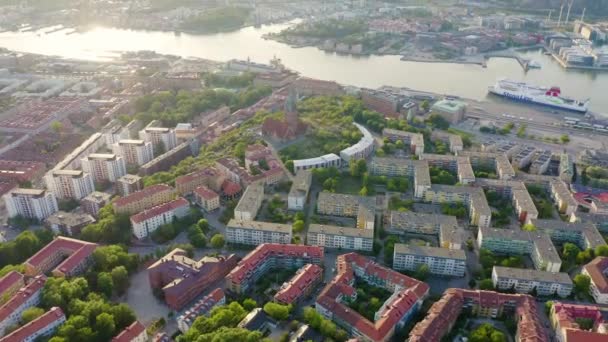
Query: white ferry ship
(524, 92)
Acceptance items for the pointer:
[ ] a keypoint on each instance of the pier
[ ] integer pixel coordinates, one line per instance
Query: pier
(510, 54)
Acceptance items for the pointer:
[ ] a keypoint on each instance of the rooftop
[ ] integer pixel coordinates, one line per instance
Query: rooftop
(74, 250)
(260, 255)
(532, 275)
(130, 333)
(437, 252)
(159, 210)
(139, 195)
(341, 231)
(259, 225)
(36, 325)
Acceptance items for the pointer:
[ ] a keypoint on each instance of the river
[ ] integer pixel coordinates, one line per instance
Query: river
(469, 81)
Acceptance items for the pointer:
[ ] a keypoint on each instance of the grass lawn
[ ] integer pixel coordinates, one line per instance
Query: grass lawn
(349, 185)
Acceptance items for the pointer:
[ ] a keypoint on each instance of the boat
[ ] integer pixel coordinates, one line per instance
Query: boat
(534, 64)
(551, 97)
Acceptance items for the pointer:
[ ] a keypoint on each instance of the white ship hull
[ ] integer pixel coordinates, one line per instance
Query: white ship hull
(525, 93)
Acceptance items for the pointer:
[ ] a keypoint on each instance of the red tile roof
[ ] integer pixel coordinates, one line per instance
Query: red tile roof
(38, 324)
(159, 210)
(138, 195)
(206, 172)
(230, 188)
(205, 192)
(75, 250)
(292, 290)
(584, 336)
(444, 313)
(596, 269)
(9, 280)
(410, 292)
(265, 251)
(21, 296)
(130, 333)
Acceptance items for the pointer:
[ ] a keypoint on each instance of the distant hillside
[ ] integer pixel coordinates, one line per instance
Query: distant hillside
(594, 7)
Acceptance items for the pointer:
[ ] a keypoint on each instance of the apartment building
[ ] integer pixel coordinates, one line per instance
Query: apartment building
(336, 237)
(165, 161)
(298, 194)
(422, 179)
(129, 184)
(300, 285)
(11, 283)
(443, 226)
(94, 202)
(134, 152)
(518, 194)
(267, 257)
(414, 140)
(209, 177)
(585, 235)
(325, 161)
(182, 279)
(201, 307)
(480, 213)
(542, 283)
(441, 261)
(257, 232)
(443, 314)
(518, 242)
(26, 297)
(30, 203)
(63, 257)
(566, 167)
(407, 295)
(136, 332)
(66, 184)
(250, 203)
(392, 167)
(68, 223)
(104, 166)
(44, 325)
(144, 199)
(159, 136)
(362, 149)
(565, 319)
(381, 102)
(540, 162)
(456, 164)
(146, 222)
(206, 198)
(498, 161)
(521, 155)
(363, 208)
(454, 141)
(597, 270)
(561, 195)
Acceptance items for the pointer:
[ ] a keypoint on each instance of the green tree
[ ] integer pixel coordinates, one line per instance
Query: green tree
(528, 227)
(581, 283)
(601, 250)
(105, 283)
(31, 314)
(570, 251)
(425, 105)
(203, 224)
(120, 279)
(277, 311)
(217, 241)
(249, 304)
(298, 226)
(565, 138)
(56, 126)
(521, 131)
(104, 326)
(486, 284)
(422, 272)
